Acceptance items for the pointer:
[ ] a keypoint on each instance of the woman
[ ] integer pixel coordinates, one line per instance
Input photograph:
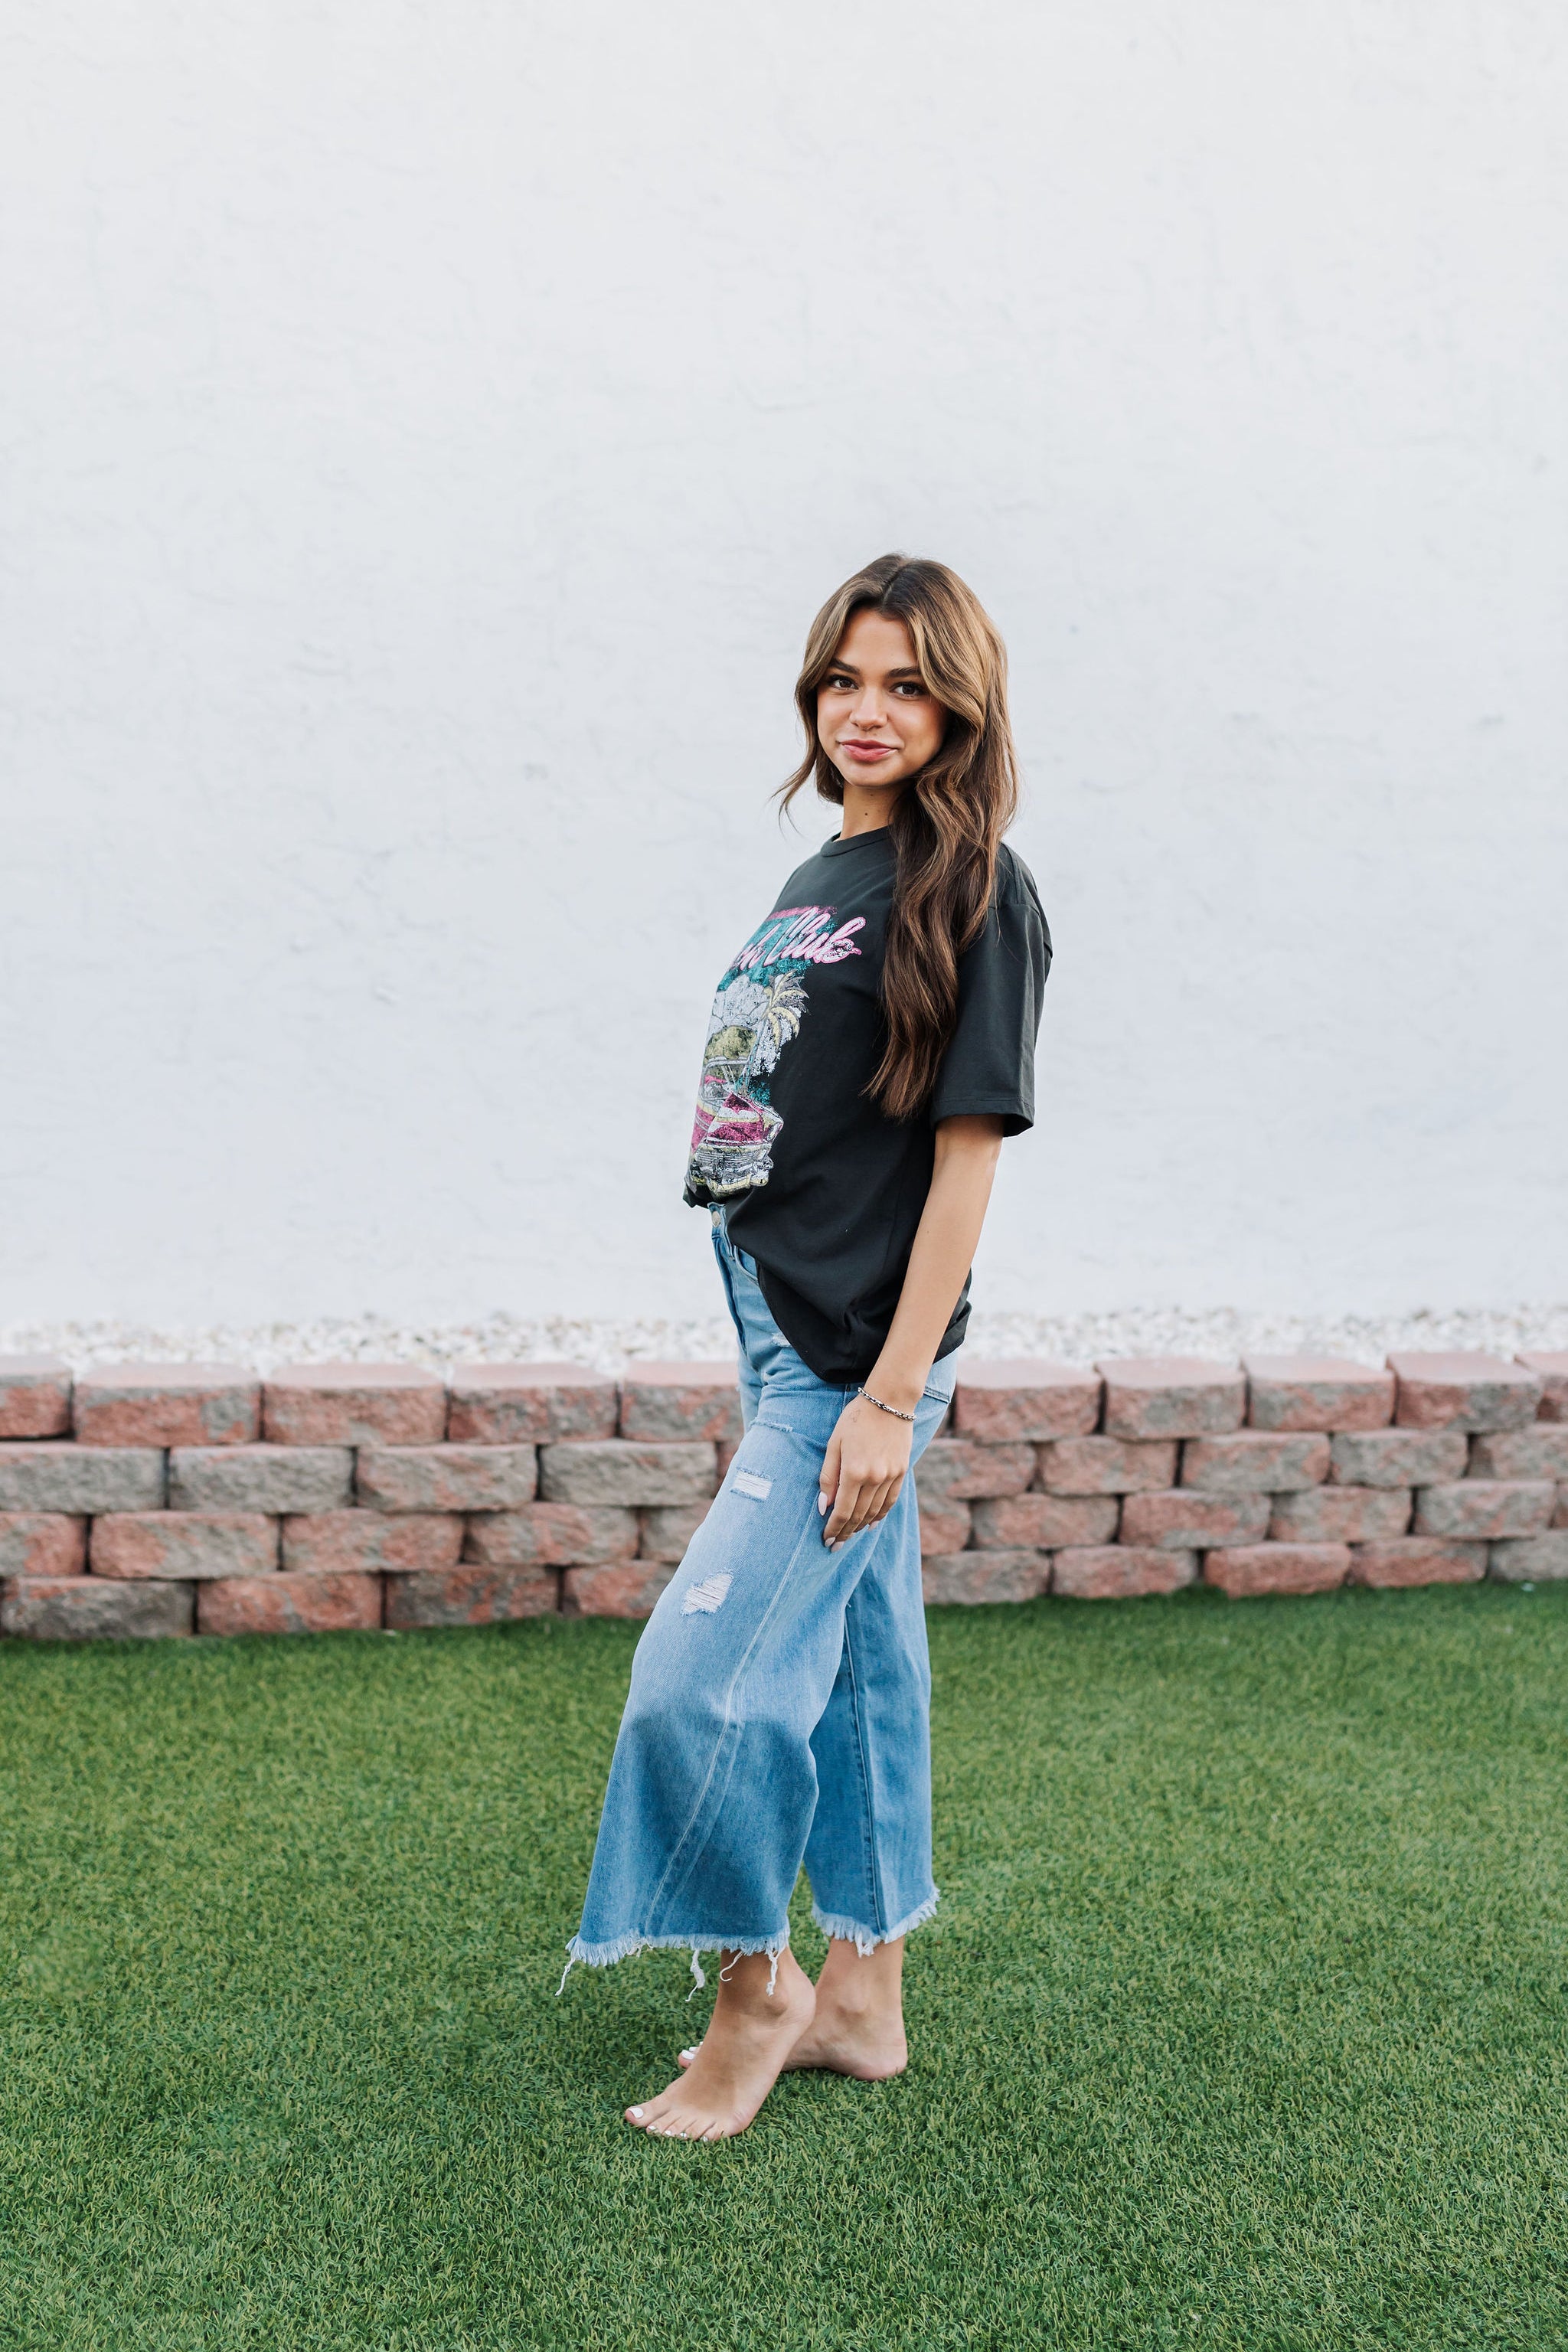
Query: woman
(869, 1047)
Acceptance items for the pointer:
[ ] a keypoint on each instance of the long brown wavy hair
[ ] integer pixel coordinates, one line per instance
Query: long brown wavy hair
(948, 821)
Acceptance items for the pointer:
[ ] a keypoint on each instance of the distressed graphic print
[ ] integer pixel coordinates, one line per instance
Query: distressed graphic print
(761, 1003)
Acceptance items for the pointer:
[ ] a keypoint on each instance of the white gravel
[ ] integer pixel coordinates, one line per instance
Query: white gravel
(1223, 1332)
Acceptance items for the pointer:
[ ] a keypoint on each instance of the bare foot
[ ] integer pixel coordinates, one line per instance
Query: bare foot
(859, 2025)
(749, 2035)
(852, 2045)
(839, 2045)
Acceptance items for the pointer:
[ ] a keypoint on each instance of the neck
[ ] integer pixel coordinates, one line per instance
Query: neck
(866, 812)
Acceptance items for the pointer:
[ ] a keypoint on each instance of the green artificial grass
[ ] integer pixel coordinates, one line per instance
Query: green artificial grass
(1242, 2022)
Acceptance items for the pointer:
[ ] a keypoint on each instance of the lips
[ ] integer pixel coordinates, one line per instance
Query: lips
(867, 750)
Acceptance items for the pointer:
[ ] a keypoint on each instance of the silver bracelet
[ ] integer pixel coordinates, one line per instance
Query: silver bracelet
(886, 1408)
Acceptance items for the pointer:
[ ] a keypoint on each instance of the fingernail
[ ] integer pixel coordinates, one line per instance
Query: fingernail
(822, 1507)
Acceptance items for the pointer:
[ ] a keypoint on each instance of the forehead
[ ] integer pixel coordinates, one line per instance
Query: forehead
(876, 643)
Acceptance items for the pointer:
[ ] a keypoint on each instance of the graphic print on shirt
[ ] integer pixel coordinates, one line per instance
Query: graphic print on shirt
(761, 1003)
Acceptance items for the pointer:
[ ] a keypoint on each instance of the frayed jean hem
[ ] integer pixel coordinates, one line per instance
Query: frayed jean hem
(866, 1939)
(626, 1948)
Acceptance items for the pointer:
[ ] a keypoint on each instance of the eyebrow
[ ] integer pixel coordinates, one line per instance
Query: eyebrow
(909, 670)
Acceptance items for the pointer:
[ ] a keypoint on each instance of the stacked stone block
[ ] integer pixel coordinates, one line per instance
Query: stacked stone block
(1281, 1474)
(153, 1499)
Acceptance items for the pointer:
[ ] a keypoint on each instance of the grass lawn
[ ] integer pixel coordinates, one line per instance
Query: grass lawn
(1242, 2022)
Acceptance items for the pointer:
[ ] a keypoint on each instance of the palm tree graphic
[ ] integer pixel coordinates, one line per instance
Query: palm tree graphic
(778, 1020)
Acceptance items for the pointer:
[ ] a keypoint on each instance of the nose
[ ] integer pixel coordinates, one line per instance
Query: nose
(870, 710)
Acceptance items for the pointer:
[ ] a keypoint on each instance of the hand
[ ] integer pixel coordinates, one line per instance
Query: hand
(863, 1471)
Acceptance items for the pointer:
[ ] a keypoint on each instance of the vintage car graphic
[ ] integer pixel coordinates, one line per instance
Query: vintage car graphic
(736, 1126)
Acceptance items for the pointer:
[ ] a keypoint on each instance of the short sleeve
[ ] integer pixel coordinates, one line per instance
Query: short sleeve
(989, 1065)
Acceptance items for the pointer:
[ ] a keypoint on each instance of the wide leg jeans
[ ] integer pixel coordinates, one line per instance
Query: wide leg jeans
(779, 1709)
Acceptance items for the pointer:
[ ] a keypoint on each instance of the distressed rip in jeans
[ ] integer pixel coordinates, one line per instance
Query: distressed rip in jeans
(779, 1709)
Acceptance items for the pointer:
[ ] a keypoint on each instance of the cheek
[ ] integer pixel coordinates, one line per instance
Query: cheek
(924, 729)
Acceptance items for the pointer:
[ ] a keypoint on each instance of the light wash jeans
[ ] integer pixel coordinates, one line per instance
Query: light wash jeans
(779, 1709)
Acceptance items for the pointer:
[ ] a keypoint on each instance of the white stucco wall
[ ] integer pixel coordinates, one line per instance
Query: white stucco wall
(427, 430)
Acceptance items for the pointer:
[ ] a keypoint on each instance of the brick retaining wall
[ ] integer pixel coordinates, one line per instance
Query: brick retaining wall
(173, 1498)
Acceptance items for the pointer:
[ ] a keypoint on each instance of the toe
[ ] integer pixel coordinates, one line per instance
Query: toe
(649, 2114)
(675, 2122)
(653, 2115)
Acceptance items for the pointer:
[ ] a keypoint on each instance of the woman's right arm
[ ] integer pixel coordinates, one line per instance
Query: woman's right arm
(868, 1456)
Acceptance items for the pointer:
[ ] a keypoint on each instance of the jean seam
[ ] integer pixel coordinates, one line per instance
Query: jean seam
(867, 1811)
(718, 1249)
(729, 1725)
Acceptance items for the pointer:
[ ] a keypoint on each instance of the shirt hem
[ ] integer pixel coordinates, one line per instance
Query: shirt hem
(1014, 1120)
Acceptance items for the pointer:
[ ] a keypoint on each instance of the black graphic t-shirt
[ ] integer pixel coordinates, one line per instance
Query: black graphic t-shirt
(817, 1183)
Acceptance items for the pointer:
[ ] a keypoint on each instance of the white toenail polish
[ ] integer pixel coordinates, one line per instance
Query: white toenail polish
(638, 2112)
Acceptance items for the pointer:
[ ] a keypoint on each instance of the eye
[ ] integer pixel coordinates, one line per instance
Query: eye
(911, 689)
(836, 683)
